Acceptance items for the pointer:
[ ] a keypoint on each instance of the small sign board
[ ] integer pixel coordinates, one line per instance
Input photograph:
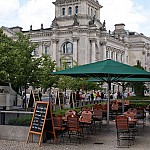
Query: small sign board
(41, 111)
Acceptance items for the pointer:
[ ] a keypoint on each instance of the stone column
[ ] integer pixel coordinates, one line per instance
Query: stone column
(126, 54)
(54, 49)
(103, 45)
(40, 52)
(115, 52)
(75, 49)
(93, 42)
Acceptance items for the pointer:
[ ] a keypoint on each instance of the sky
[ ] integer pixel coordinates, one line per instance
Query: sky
(133, 13)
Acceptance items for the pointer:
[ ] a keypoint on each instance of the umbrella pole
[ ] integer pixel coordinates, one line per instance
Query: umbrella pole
(123, 98)
(108, 102)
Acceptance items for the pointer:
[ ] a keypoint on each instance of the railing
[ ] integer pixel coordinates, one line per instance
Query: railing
(6, 115)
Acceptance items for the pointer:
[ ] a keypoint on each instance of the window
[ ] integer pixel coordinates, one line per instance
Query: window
(112, 55)
(46, 49)
(70, 10)
(95, 13)
(36, 52)
(121, 58)
(88, 10)
(67, 48)
(107, 54)
(63, 11)
(76, 9)
(66, 63)
(91, 12)
(116, 57)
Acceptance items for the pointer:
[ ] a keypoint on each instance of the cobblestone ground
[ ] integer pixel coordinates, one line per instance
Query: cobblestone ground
(99, 140)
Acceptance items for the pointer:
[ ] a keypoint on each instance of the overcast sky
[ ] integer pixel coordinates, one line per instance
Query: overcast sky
(135, 14)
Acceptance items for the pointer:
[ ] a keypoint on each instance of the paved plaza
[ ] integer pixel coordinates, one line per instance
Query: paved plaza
(100, 140)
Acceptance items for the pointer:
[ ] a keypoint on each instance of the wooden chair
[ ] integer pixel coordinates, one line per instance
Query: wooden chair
(86, 120)
(58, 126)
(97, 117)
(134, 110)
(123, 130)
(141, 116)
(73, 127)
(132, 121)
(70, 112)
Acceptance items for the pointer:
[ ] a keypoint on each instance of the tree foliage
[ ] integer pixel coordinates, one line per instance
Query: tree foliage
(139, 87)
(45, 68)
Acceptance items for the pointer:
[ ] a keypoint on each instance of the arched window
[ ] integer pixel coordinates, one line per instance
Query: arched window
(70, 11)
(76, 9)
(67, 48)
(63, 11)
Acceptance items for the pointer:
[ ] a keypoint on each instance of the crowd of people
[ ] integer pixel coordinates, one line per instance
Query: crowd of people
(98, 96)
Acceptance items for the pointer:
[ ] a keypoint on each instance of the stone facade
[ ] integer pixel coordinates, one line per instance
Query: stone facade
(77, 36)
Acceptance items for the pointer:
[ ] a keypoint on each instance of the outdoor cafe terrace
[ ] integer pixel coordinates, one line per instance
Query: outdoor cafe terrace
(96, 135)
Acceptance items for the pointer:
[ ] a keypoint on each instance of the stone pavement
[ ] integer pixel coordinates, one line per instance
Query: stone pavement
(106, 140)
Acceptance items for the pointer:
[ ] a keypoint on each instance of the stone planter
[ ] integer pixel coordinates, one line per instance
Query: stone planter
(17, 133)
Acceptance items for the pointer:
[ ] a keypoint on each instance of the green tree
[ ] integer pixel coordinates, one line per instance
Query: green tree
(45, 68)
(6, 63)
(23, 62)
(139, 87)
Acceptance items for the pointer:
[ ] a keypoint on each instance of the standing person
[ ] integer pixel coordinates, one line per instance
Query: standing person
(77, 98)
(115, 95)
(83, 98)
(102, 95)
(94, 94)
(40, 96)
(24, 100)
(92, 97)
(98, 97)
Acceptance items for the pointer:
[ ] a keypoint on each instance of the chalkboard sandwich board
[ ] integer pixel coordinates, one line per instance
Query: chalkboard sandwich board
(38, 119)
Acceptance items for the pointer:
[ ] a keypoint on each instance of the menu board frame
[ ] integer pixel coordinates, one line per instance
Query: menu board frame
(38, 120)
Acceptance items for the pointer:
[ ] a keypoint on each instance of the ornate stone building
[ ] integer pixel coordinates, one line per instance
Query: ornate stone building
(77, 35)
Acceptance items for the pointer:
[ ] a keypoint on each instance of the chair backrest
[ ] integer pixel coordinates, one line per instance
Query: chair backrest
(86, 115)
(134, 110)
(97, 112)
(130, 115)
(72, 122)
(58, 122)
(114, 106)
(122, 123)
(126, 102)
(70, 112)
(140, 113)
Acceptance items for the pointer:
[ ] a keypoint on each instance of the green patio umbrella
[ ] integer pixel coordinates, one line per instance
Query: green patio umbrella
(122, 80)
(108, 71)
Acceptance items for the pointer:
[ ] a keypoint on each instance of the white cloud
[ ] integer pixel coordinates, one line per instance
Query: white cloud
(35, 12)
(8, 9)
(123, 11)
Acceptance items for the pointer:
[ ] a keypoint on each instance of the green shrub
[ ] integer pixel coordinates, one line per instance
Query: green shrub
(138, 98)
(21, 121)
